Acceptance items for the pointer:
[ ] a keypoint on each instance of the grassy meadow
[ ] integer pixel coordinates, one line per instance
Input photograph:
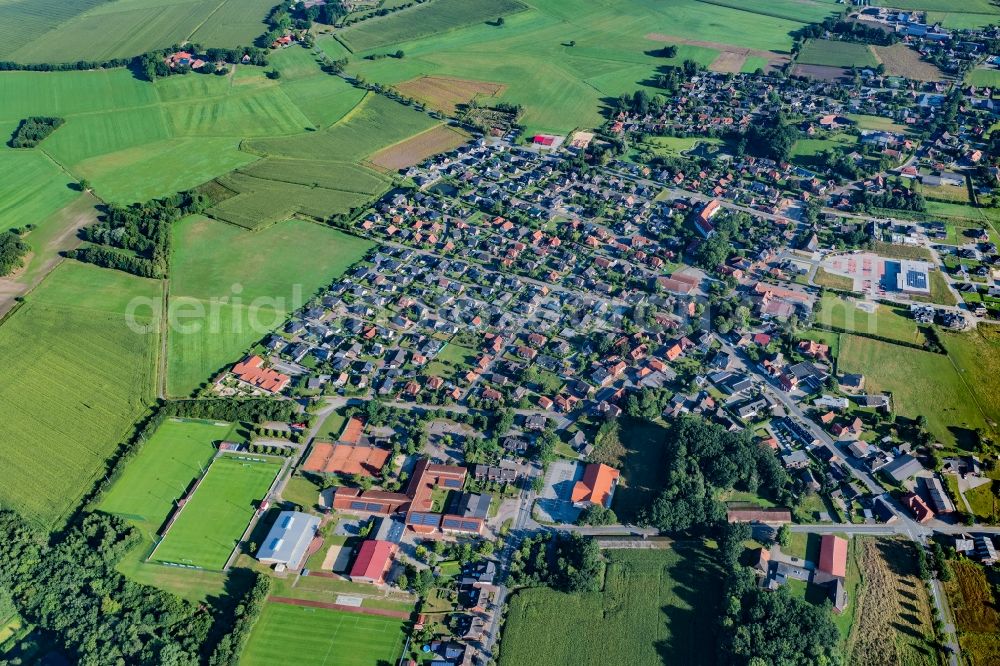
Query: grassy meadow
(32, 187)
(656, 606)
(77, 377)
(320, 636)
(921, 383)
(976, 354)
(70, 30)
(215, 516)
(563, 87)
(294, 257)
(886, 321)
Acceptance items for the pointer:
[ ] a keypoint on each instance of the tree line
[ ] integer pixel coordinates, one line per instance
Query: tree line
(136, 238)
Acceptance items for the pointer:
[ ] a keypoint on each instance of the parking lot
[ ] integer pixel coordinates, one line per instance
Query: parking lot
(554, 505)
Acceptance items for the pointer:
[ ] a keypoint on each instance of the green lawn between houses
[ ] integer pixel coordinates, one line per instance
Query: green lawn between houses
(322, 637)
(833, 53)
(76, 377)
(215, 516)
(886, 322)
(252, 281)
(656, 606)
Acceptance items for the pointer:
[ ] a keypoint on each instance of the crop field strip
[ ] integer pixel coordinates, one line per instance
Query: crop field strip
(833, 53)
(323, 637)
(77, 378)
(217, 513)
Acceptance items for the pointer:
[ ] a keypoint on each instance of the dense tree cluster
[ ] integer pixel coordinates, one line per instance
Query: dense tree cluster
(152, 65)
(72, 589)
(568, 562)
(702, 459)
(771, 137)
(33, 129)
(898, 198)
(12, 251)
(855, 31)
(136, 238)
(769, 627)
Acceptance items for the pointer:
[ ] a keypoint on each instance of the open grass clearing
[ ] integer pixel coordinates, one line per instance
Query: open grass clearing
(656, 606)
(32, 187)
(972, 596)
(886, 321)
(446, 93)
(982, 76)
(77, 377)
(215, 516)
(323, 637)
(901, 60)
(274, 271)
(637, 448)
(976, 354)
(921, 383)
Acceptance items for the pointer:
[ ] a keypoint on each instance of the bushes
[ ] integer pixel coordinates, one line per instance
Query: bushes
(33, 129)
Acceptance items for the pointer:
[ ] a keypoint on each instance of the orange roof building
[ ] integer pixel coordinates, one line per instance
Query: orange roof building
(833, 555)
(373, 561)
(327, 458)
(253, 372)
(597, 485)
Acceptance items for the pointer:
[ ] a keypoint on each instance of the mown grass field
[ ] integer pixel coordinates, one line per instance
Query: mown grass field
(563, 87)
(656, 606)
(76, 377)
(983, 77)
(215, 516)
(176, 454)
(275, 269)
(70, 30)
(886, 321)
(894, 609)
(921, 383)
(323, 637)
(32, 187)
(972, 596)
(836, 54)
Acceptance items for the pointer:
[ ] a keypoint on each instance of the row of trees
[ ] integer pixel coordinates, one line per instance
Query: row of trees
(566, 562)
(136, 238)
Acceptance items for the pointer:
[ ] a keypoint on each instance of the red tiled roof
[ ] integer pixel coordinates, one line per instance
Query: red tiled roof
(373, 560)
(833, 555)
(596, 485)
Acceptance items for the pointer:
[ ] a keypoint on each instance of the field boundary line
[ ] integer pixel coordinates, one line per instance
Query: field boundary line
(205, 20)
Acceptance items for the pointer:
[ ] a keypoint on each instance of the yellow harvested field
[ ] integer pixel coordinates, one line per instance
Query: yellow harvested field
(446, 93)
(416, 149)
(901, 60)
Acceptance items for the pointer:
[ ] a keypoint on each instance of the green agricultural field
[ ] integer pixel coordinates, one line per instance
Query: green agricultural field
(77, 377)
(323, 637)
(886, 322)
(424, 20)
(375, 123)
(921, 383)
(976, 354)
(216, 515)
(32, 187)
(877, 123)
(656, 606)
(134, 140)
(176, 454)
(836, 54)
(70, 30)
(275, 268)
(962, 21)
(562, 87)
(967, 6)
